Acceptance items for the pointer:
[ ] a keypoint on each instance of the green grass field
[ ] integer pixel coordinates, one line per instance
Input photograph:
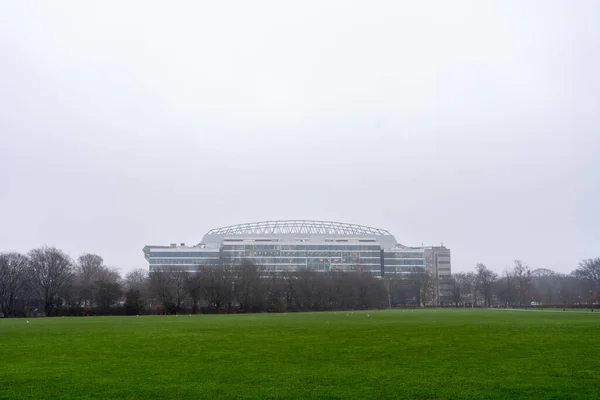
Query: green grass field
(425, 354)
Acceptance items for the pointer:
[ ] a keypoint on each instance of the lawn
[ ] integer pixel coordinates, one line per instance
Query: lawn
(421, 354)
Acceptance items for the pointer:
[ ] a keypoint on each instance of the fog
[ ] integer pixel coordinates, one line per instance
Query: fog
(471, 123)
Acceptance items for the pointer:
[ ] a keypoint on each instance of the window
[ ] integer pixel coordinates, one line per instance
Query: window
(178, 254)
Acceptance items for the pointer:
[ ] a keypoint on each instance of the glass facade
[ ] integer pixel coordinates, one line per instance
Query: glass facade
(318, 257)
(402, 261)
(297, 244)
(281, 257)
(187, 259)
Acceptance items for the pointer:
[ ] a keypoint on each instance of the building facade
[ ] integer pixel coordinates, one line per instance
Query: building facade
(438, 263)
(290, 245)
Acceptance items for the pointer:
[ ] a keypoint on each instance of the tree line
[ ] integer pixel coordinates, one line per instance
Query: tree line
(47, 282)
(522, 286)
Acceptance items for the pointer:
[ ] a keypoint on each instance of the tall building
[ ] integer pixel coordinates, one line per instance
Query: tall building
(437, 261)
(316, 245)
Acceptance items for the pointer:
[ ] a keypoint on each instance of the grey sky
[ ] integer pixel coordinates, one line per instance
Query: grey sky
(474, 123)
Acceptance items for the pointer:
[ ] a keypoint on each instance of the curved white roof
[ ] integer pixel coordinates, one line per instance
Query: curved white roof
(309, 227)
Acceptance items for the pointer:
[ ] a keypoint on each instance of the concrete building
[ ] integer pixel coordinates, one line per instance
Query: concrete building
(316, 245)
(438, 263)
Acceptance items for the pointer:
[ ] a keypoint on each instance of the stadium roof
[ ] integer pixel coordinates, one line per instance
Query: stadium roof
(297, 227)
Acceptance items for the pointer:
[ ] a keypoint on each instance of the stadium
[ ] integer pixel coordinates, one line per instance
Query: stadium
(290, 245)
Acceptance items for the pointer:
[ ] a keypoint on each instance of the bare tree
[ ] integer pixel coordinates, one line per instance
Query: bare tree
(589, 271)
(13, 281)
(504, 290)
(400, 291)
(168, 284)
(94, 286)
(486, 279)
(160, 287)
(459, 286)
(217, 285)
(287, 284)
(178, 280)
(248, 288)
(136, 286)
(134, 303)
(344, 291)
(422, 284)
(522, 276)
(88, 269)
(571, 291)
(193, 287)
(389, 283)
(51, 273)
(274, 285)
(471, 280)
(545, 285)
(371, 291)
(305, 289)
(138, 280)
(107, 289)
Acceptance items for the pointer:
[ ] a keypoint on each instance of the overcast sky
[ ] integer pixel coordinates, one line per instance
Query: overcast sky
(475, 124)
